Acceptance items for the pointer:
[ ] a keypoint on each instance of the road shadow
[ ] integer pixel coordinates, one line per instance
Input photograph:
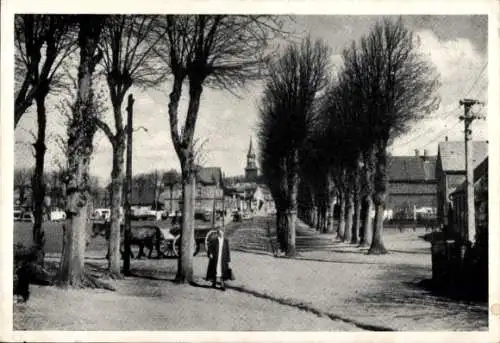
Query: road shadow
(455, 293)
(405, 290)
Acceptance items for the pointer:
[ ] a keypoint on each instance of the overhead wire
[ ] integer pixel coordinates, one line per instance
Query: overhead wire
(448, 114)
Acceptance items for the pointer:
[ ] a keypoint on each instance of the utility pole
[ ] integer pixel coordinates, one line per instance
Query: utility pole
(128, 187)
(469, 167)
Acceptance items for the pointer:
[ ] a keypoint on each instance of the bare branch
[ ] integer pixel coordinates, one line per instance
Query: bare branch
(106, 129)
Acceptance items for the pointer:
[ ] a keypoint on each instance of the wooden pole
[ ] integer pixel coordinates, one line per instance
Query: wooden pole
(470, 234)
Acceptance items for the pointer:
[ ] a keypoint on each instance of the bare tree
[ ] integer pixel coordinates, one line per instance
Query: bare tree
(42, 44)
(340, 150)
(272, 134)
(80, 131)
(128, 59)
(395, 85)
(218, 51)
(295, 81)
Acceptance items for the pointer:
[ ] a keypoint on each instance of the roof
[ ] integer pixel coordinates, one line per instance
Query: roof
(411, 168)
(452, 154)
(209, 175)
(479, 171)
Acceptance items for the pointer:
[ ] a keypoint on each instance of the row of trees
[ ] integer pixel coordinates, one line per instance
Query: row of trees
(155, 182)
(324, 138)
(186, 53)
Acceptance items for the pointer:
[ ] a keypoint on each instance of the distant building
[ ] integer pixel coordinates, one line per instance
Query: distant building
(209, 191)
(450, 171)
(248, 193)
(412, 184)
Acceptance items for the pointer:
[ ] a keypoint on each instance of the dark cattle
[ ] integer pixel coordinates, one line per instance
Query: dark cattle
(26, 271)
(23, 259)
(148, 236)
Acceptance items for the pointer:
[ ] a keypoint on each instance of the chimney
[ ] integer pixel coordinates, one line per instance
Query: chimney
(417, 153)
(425, 156)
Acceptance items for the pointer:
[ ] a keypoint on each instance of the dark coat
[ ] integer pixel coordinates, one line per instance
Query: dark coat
(213, 253)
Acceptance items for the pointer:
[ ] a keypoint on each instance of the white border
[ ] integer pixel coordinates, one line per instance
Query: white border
(365, 7)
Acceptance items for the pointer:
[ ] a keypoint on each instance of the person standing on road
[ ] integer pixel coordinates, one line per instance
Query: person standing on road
(219, 257)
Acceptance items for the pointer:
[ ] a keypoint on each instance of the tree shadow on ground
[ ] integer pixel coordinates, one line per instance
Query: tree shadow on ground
(407, 289)
(454, 293)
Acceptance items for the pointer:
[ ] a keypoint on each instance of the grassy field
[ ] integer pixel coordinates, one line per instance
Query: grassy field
(53, 236)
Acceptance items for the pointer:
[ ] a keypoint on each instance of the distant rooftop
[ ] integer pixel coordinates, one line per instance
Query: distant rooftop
(411, 168)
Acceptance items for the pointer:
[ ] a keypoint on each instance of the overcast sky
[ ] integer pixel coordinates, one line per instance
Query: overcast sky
(457, 45)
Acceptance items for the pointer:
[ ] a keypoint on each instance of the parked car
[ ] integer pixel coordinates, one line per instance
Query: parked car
(17, 214)
(143, 213)
(102, 214)
(28, 217)
(57, 215)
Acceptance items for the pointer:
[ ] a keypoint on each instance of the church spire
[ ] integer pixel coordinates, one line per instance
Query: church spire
(250, 149)
(251, 170)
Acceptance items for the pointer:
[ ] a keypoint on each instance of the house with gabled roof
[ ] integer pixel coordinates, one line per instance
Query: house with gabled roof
(412, 184)
(450, 171)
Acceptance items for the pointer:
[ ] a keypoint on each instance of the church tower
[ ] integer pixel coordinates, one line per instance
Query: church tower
(251, 171)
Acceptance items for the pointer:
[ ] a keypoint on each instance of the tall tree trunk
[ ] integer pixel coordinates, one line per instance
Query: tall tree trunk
(281, 228)
(312, 214)
(319, 215)
(331, 215)
(81, 130)
(349, 217)
(291, 219)
(291, 213)
(323, 218)
(330, 204)
(185, 265)
(367, 184)
(171, 186)
(379, 198)
(357, 220)
(117, 177)
(38, 182)
(366, 238)
(185, 262)
(341, 227)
